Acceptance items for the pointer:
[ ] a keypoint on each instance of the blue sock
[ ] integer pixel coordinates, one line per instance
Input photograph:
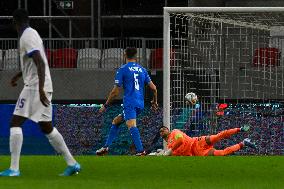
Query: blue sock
(113, 132)
(136, 139)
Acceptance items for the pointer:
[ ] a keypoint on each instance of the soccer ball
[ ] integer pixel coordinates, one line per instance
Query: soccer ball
(191, 98)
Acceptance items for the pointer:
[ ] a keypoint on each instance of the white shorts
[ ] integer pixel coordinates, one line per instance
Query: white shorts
(30, 106)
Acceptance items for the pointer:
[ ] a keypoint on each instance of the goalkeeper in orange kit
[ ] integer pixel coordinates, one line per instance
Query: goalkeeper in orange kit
(179, 144)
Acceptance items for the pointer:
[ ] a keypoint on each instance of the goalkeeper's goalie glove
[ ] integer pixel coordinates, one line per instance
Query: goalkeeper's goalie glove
(168, 152)
(161, 152)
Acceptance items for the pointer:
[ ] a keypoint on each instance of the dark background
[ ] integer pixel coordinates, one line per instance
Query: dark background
(111, 27)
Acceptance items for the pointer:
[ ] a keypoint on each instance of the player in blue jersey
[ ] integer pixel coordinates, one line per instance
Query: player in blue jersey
(131, 77)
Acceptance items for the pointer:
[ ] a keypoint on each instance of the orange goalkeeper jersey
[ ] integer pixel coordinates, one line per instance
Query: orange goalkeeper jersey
(186, 148)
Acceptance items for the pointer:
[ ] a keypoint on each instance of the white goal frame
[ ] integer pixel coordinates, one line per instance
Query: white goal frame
(166, 43)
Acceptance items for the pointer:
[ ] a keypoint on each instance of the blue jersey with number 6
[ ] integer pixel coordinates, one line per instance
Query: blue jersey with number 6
(132, 77)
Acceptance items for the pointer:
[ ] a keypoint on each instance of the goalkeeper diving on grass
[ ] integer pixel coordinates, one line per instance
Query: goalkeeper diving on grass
(180, 144)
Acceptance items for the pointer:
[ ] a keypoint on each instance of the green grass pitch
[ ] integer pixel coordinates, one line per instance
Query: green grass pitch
(123, 172)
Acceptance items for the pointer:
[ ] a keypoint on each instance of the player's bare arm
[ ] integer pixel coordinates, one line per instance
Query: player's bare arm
(112, 95)
(15, 79)
(155, 94)
(41, 77)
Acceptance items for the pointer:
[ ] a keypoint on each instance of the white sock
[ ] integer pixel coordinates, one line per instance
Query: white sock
(16, 141)
(58, 143)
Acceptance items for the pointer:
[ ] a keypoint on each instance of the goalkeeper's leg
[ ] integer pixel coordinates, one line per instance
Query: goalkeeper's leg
(226, 151)
(212, 139)
(229, 150)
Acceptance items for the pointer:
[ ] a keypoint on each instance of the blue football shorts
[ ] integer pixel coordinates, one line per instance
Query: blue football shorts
(130, 112)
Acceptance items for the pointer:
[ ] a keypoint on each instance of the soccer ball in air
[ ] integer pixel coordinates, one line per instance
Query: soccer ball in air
(191, 98)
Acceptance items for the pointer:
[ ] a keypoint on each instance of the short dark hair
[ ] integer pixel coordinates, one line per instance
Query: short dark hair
(131, 52)
(21, 16)
(163, 127)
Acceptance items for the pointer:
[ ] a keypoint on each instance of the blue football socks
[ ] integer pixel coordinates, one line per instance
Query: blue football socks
(136, 139)
(112, 135)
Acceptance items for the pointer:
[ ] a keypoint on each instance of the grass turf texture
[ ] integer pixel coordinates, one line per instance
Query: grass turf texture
(233, 172)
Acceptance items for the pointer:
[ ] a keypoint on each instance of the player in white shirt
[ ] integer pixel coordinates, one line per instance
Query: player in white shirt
(34, 102)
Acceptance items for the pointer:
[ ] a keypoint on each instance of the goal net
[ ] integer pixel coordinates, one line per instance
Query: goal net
(232, 58)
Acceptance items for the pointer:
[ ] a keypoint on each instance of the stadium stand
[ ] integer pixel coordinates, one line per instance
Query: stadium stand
(266, 57)
(49, 56)
(267, 128)
(65, 58)
(156, 59)
(112, 58)
(89, 58)
(11, 61)
(140, 59)
(1, 59)
(87, 134)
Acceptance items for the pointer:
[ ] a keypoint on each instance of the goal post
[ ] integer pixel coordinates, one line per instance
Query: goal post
(166, 70)
(223, 54)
